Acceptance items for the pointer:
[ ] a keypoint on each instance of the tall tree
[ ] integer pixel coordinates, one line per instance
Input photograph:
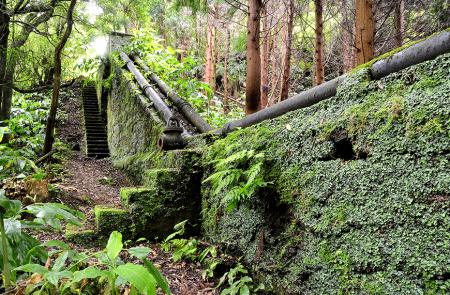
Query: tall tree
(365, 31)
(226, 107)
(30, 15)
(253, 83)
(286, 77)
(348, 31)
(50, 129)
(210, 67)
(399, 11)
(320, 71)
(265, 58)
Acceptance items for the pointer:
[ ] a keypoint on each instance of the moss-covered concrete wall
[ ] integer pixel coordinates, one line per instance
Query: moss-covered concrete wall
(132, 133)
(358, 194)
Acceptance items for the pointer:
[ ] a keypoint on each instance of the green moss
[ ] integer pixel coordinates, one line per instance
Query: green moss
(108, 220)
(132, 133)
(80, 236)
(131, 194)
(358, 182)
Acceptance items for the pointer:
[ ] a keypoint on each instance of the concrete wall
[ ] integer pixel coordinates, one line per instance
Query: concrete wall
(357, 194)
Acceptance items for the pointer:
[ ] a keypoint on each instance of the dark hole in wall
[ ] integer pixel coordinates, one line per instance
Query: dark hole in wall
(343, 148)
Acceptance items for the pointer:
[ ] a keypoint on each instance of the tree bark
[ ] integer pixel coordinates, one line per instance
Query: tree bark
(4, 36)
(253, 83)
(399, 22)
(348, 30)
(320, 71)
(226, 107)
(209, 77)
(265, 59)
(50, 129)
(274, 62)
(365, 31)
(287, 52)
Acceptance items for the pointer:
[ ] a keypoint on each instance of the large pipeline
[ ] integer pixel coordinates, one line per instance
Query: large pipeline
(158, 103)
(171, 139)
(420, 52)
(183, 106)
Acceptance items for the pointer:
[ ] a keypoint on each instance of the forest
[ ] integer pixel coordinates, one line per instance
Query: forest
(224, 147)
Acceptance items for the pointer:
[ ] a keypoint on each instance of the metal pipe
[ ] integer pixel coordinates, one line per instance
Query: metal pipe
(183, 106)
(158, 103)
(171, 138)
(302, 100)
(417, 53)
(420, 52)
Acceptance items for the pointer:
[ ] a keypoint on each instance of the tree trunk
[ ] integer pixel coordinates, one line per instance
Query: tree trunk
(253, 83)
(50, 129)
(209, 77)
(226, 107)
(7, 93)
(274, 62)
(4, 36)
(365, 31)
(265, 59)
(320, 71)
(287, 52)
(399, 22)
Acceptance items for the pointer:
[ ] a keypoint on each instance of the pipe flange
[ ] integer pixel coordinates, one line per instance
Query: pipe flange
(172, 138)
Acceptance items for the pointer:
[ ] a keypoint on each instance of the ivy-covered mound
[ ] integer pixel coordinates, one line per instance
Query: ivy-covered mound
(350, 196)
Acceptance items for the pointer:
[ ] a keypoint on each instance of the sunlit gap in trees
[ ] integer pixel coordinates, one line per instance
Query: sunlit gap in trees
(98, 45)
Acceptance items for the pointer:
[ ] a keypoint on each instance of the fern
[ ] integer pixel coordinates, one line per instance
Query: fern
(238, 177)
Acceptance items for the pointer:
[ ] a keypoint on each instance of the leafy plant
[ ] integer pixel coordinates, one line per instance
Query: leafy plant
(181, 75)
(69, 269)
(19, 247)
(238, 282)
(26, 134)
(238, 176)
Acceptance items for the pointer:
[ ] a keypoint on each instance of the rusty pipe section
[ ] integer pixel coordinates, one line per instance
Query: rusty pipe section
(171, 138)
(420, 52)
(183, 106)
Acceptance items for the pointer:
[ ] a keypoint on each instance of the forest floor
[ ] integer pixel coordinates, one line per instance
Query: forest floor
(87, 182)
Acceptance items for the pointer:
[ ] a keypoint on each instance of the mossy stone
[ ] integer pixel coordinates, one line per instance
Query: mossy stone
(358, 201)
(108, 220)
(80, 236)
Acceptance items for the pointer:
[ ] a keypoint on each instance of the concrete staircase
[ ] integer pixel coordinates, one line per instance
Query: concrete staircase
(96, 137)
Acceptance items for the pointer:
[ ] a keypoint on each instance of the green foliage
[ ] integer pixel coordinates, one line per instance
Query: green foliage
(26, 133)
(23, 248)
(369, 216)
(238, 176)
(180, 76)
(234, 281)
(70, 267)
(239, 282)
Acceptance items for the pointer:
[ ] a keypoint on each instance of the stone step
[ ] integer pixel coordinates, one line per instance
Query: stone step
(109, 219)
(95, 125)
(96, 136)
(96, 150)
(93, 121)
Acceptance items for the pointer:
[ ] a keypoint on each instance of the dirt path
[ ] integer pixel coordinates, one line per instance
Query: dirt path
(88, 182)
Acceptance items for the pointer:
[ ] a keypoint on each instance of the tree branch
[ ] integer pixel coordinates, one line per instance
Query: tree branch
(41, 88)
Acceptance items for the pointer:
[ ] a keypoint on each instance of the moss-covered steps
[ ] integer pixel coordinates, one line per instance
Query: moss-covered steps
(106, 221)
(169, 196)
